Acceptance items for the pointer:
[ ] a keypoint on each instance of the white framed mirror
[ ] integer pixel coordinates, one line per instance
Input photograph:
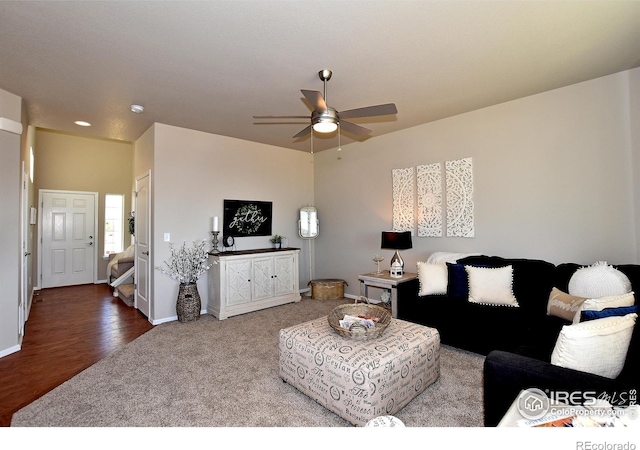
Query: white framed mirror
(308, 226)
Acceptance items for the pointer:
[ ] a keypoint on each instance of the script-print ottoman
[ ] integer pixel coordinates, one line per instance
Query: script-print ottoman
(360, 380)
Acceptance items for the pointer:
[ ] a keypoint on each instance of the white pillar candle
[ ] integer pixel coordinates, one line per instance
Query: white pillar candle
(215, 223)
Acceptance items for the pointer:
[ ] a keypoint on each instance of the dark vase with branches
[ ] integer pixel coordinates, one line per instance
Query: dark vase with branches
(186, 265)
(132, 223)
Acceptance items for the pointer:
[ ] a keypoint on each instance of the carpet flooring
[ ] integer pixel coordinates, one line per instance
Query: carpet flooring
(211, 373)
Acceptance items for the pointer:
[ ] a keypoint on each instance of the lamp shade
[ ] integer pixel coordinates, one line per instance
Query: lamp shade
(396, 240)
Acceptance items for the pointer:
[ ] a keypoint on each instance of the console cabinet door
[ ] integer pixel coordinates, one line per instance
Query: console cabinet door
(262, 278)
(238, 281)
(284, 275)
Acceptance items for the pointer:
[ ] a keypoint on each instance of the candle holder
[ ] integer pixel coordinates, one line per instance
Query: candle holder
(214, 243)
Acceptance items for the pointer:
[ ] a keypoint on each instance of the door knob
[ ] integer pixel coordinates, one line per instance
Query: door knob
(27, 253)
(145, 253)
(90, 243)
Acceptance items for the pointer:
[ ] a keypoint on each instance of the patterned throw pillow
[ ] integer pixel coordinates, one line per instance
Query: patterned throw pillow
(563, 305)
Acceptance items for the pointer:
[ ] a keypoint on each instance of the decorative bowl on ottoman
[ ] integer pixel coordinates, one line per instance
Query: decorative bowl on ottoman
(381, 317)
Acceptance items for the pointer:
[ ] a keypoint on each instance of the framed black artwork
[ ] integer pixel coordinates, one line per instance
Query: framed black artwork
(247, 218)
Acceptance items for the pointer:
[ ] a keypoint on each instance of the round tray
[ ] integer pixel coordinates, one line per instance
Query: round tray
(360, 333)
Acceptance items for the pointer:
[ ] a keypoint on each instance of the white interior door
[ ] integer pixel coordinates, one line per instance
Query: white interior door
(142, 245)
(68, 238)
(24, 269)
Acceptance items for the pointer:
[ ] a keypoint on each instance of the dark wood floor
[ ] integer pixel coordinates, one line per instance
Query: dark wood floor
(69, 329)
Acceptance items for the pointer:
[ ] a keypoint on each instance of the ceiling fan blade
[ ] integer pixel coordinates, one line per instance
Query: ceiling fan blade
(369, 111)
(282, 117)
(315, 98)
(302, 132)
(353, 128)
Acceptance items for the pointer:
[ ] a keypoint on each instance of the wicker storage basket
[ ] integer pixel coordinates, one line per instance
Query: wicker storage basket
(327, 289)
(356, 332)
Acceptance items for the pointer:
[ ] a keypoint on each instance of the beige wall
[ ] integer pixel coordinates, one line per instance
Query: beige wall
(634, 137)
(193, 172)
(76, 163)
(552, 180)
(11, 108)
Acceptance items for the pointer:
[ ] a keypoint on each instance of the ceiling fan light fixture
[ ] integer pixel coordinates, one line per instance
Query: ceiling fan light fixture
(325, 121)
(325, 127)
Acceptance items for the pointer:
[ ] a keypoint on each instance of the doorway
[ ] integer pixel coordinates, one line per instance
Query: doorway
(143, 245)
(23, 304)
(68, 237)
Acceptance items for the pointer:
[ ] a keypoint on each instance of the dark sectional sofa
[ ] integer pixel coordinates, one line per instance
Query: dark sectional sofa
(517, 342)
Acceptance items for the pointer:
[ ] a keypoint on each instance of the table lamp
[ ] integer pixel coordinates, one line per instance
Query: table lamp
(396, 240)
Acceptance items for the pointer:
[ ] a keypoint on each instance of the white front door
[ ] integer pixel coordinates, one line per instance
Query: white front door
(142, 245)
(68, 238)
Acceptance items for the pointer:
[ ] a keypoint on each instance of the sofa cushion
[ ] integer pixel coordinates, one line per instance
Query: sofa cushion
(433, 278)
(598, 280)
(563, 305)
(598, 346)
(491, 285)
(598, 304)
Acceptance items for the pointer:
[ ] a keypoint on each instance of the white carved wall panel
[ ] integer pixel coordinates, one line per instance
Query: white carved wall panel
(403, 199)
(459, 180)
(429, 183)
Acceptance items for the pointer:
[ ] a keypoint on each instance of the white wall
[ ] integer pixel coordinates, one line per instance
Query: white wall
(10, 250)
(552, 180)
(193, 172)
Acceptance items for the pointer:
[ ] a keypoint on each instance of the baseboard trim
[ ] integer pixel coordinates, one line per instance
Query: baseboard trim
(10, 350)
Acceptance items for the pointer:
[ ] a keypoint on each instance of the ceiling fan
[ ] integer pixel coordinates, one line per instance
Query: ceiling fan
(325, 119)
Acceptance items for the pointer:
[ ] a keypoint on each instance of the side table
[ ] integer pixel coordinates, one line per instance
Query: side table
(384, 281)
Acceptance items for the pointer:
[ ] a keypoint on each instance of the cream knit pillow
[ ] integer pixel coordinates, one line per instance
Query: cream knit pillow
(598, 280)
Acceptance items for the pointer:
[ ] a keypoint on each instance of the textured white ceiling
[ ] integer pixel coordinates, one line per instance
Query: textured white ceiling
(212, 65)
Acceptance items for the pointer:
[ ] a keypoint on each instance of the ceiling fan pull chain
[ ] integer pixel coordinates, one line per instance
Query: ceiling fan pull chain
(339, 132)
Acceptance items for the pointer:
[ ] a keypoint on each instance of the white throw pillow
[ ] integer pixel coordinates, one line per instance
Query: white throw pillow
(491, 285)
(598, 280)
(598, 304)
(433, 278)
(599, 346)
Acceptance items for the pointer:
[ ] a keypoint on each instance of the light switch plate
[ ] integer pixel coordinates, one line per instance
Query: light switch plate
(167, 237)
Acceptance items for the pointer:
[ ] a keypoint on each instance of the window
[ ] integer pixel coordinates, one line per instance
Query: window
(113, 223)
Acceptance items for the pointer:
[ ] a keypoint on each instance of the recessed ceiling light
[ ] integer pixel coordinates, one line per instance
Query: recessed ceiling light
(82, 123)
(137, 109)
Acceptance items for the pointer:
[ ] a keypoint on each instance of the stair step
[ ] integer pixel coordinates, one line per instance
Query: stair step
(126, 292)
